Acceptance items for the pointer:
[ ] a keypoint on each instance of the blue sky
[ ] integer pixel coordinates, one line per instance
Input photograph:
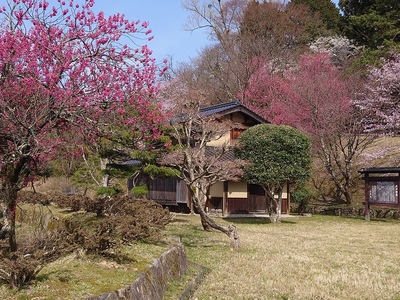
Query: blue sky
(167, 19)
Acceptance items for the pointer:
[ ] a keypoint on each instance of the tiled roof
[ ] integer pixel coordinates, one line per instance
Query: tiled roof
(216, 109)
(231, 107)
(228, 154)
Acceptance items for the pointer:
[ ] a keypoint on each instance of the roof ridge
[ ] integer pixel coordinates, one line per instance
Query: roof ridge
(220, 105)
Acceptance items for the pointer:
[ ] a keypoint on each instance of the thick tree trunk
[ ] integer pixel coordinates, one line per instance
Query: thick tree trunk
(10, 201)
(12, 238)
(209, 224)
(347, 195)
(205, 224)
(231, 231)
(200, 204)
(10, 184)
(273, 214)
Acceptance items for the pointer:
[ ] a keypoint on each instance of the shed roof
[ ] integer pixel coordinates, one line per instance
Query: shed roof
(380, 170)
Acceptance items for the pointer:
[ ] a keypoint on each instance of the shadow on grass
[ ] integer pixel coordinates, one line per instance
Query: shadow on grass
(61, 275)
(248, 220)
(177, 219)
(255, 220)
(119, 258)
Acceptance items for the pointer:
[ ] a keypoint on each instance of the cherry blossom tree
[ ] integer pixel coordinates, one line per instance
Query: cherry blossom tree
(65, 68)
(340, 48)
(381, 102)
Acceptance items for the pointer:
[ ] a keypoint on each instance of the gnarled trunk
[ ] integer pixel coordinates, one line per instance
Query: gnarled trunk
(9, 195)
(230, 231)
(274, 205)
(12, 176)
(199, 200)
(205, 224)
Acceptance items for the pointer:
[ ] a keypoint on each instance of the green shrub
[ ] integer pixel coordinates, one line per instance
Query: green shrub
(107, 191)
(302, 195)
(139, 191)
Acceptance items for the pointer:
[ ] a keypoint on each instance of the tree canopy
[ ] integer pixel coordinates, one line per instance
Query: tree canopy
(64, 68)
(327, 10)
(380, 103)
(373, 23)
(277, 155)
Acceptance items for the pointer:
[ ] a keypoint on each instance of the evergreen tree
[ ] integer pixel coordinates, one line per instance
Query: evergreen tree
(373, 23)
(278, 154)
(327, 10)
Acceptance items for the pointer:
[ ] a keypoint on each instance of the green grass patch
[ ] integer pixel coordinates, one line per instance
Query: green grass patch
(80, 276)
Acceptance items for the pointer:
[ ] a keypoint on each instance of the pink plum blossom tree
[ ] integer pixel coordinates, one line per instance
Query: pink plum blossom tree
(315, 98)
(64, 68)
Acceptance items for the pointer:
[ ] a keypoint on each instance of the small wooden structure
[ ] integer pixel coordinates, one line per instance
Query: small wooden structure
(171, 192)
(382, 188)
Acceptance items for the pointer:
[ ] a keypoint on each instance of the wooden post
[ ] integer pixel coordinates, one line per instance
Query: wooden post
(225, 199)
(398, 188)
(288, 197)
(366, 198)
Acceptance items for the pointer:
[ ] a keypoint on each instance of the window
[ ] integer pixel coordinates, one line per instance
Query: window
(383, 192)
(235, 133)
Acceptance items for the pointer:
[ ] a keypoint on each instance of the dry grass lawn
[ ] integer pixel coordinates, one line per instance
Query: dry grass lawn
(317, 257)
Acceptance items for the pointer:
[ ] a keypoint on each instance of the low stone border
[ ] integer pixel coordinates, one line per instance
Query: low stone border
(194, 284)
(357, 211)
(152, 283)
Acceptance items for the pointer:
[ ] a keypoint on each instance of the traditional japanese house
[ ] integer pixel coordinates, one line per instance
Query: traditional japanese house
(227, 197)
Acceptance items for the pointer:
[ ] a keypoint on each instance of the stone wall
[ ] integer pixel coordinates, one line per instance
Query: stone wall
(379, 212)
(153, 283)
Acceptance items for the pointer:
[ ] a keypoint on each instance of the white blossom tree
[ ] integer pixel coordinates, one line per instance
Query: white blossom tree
(381, 102)
(340, 48)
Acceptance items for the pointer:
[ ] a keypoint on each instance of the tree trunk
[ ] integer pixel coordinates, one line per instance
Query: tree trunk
(106, 179)
(272, 205)
(231, 231)
(273, 214)
(202, 202)
(279, 206)
(209, 224)
(347, 196)
(12, 238)
(11, 181)
(205, 224)
(10, 206)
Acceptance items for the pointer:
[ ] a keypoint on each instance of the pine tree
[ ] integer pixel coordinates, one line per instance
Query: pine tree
(373, 23)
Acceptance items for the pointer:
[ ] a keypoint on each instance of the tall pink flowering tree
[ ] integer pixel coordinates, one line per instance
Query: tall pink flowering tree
(65, 68)
(315, 97)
